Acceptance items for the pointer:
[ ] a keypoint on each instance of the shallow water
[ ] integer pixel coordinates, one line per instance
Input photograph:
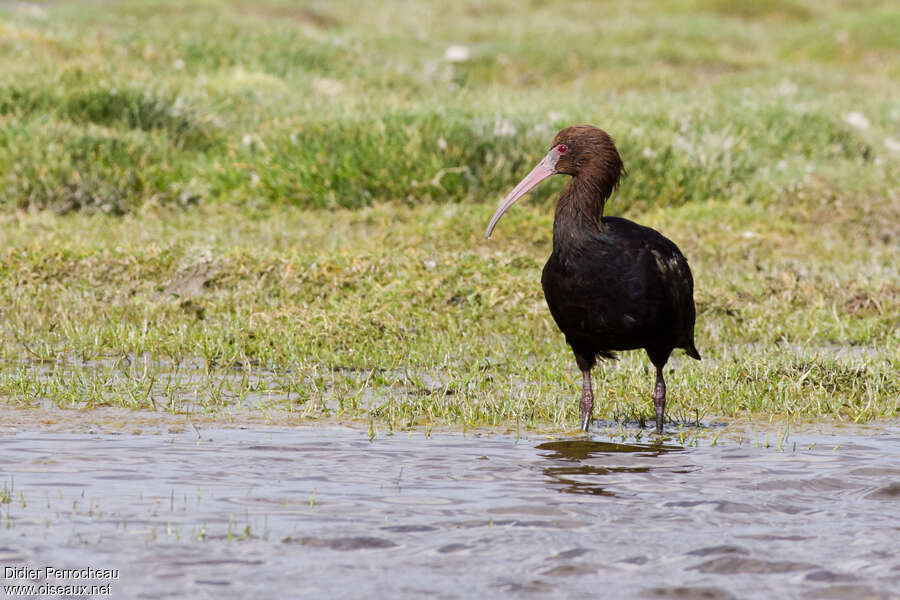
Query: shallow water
(325, 512)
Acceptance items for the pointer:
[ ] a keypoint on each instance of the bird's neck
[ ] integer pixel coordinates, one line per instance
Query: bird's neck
(579, 215)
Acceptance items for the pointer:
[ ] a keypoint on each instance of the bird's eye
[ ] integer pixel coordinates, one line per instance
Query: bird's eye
(562, 148)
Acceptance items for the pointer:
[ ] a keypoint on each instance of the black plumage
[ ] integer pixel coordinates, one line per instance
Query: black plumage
(611, 284)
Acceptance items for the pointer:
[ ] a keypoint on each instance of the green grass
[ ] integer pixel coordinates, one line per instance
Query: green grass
(238, 209)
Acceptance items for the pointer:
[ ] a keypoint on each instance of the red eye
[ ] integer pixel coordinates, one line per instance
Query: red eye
(562, 148)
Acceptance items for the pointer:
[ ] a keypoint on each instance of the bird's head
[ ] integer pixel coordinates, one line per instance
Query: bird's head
(585, 152)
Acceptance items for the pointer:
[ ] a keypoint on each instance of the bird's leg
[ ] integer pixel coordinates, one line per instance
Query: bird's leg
(659, 399)
(587, 399)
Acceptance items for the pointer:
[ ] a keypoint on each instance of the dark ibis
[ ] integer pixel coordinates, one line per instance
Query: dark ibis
(611, 284)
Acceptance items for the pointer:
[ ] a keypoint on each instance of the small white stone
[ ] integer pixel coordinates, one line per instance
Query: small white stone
(457, 53)
(857, 119)
(178, 64)
(430, 264)
(892, 144)
(442, 144)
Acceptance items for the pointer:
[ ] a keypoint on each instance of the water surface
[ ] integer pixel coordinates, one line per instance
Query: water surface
(306, 512)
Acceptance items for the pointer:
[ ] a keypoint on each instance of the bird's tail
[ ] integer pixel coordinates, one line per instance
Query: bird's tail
(691, 350)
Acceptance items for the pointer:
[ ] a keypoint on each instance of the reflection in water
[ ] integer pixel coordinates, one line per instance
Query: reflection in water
(581, 449)
(581, 478)
(571, 479)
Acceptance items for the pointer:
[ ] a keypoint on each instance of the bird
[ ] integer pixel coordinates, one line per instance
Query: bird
(611, 284)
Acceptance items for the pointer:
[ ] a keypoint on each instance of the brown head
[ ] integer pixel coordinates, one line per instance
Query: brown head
(586, 153)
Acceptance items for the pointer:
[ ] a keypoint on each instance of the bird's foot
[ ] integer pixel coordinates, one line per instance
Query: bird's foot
(659, 400)
(586, 422)
(587, 409)
(587, 397)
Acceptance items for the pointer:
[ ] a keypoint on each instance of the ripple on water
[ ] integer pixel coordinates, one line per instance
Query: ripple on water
(715, 550)
(690, 593)
(286, 512)
(723, 506)
(453, 548)
(734, 565)
(409, 528)
(568, 554)
(888, 492)
(343, 544)
(842, 592)
(826, 576)
(569, 570)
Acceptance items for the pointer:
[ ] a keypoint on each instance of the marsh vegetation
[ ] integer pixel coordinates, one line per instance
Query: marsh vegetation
(257, 210)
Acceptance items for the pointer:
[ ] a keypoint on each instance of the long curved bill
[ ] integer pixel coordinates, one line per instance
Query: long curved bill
(542, 171)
